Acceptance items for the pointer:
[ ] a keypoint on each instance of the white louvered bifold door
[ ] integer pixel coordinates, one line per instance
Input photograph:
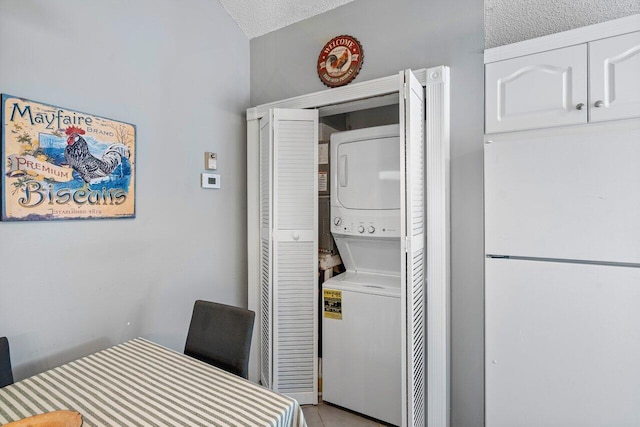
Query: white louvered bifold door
(266, 191)
(412, 119)
(294, 252)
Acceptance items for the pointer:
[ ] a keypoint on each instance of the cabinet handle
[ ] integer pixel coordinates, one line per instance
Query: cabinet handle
(598, 104)
(580, 106)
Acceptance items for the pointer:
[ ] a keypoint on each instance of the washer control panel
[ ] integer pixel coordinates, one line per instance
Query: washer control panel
(388, 226)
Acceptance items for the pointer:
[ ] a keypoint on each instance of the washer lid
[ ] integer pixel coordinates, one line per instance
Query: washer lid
(375, 284)
(370, 254)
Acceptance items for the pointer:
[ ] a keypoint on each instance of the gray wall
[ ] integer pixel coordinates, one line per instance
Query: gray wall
(180, 72)
(510, 21)
(411, 34)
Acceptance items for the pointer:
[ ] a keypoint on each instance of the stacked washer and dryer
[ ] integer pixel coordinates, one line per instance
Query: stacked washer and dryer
(361, 339)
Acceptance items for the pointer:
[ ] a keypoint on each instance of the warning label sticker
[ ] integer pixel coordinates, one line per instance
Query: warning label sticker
(332, 304)
(323, 181)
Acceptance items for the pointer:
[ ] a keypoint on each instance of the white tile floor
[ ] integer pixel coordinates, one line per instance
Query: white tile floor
(324, 415)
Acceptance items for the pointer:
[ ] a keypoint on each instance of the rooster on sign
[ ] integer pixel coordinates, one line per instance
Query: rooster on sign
(337, 63)
(84, 163)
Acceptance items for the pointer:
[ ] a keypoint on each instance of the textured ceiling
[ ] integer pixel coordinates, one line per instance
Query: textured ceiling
(506, 21)
(258, 17)
(509, 21)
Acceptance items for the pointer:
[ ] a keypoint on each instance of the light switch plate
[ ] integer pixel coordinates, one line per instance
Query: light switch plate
(210, 160)
(210, 180)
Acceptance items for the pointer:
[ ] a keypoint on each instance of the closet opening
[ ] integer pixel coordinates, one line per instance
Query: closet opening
(292, 230)
(359, 345)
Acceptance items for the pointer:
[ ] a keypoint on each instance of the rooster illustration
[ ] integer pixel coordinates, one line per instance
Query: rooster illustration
(338, 63)
(82, 161)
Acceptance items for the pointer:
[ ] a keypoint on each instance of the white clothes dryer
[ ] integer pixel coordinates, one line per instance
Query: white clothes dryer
(365, 182)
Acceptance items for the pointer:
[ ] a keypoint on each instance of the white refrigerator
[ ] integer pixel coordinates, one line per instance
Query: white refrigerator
(562, 288)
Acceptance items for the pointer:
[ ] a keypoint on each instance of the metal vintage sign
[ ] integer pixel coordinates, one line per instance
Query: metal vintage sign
(60, 164)
(340, 61)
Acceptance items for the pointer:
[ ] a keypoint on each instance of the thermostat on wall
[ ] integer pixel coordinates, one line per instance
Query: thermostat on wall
(210, 180)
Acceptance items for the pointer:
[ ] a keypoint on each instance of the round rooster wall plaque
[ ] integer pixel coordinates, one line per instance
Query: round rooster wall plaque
(340, 61)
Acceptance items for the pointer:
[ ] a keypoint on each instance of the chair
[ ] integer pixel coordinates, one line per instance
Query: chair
(220, 335)
(6, 375)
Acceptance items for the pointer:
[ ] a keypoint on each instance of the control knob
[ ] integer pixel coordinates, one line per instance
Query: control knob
(361, 229)
(371, 229)
(337, 220)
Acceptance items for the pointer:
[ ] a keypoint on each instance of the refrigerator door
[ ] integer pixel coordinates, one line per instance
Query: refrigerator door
(565, 193)
(562, 344)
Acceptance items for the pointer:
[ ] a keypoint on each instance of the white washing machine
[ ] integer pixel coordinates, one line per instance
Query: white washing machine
(361, 331)
(361, 342)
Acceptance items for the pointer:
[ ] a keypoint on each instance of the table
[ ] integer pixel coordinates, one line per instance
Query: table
(140, 383)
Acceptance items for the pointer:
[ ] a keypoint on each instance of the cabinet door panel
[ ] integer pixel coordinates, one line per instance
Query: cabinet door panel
(615, 78)
(537, 91)
(290, 258)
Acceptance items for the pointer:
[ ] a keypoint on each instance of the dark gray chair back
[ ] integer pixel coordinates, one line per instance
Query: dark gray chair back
(6, 374)
(220, 335)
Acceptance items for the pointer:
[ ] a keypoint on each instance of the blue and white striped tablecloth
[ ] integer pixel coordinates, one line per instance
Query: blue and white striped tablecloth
(140, 383)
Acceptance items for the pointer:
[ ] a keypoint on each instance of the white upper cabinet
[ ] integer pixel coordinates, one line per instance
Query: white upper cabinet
(614, 85)
(586, 82)
(534, 91)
